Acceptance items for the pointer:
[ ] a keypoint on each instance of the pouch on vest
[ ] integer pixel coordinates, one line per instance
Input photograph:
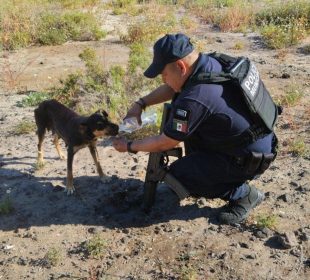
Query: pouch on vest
(242, 72)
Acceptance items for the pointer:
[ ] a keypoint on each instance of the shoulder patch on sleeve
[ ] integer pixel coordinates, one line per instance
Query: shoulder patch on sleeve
(180, 120)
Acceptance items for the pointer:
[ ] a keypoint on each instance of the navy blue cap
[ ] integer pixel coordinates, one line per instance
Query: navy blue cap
(168, 49)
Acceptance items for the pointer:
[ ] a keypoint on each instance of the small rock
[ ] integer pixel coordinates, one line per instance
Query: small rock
(304, 173)
(244, 245)
(294, 184)
(8, 247)
(213, 228)
(285, 76)
(285, 197)
(305, 188)
(295, 252)
(251, 256)
(125, 230)
(263, 233)
(157, 230)
(287, 240)
(93, 230)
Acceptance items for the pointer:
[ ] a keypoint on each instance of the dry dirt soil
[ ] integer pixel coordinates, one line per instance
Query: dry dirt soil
(175, 240)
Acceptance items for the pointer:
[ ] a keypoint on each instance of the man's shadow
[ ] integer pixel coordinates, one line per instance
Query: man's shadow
(35, 201)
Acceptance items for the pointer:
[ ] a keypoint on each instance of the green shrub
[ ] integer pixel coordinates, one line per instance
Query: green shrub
(150, 28)
(94, 69)
(284, 24)
(139, 57)
(53, 256)
(298, 147)
(292, 96)
(16, 29)
(73, 4)
(56, 29)
(283, 13)
(68, 93)
(26, 22)
(95, 247)
(266, 221)
(33, 99)
(285, 35)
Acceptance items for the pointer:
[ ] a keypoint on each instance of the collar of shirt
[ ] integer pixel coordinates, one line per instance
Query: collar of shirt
(204, 64)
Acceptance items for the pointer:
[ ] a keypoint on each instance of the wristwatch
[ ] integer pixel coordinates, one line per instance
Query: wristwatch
(141, 103)
(129, 150)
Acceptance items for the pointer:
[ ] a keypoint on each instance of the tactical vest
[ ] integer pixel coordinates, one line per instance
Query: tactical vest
(240, 72)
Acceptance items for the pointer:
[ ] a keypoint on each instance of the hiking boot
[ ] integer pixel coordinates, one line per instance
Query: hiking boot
(238, 210)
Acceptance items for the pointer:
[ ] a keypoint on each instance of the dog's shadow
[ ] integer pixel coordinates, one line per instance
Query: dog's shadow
(34, 201)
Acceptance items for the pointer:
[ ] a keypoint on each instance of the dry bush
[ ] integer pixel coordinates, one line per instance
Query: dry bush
(235, 18)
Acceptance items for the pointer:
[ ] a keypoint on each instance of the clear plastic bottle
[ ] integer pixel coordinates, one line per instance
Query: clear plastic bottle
(130, 125)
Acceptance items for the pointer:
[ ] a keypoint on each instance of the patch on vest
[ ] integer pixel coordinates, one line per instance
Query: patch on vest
(180, 120)
(251, 82)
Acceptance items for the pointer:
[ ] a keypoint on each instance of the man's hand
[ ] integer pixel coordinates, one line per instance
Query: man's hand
(120, 144)
(135, 111)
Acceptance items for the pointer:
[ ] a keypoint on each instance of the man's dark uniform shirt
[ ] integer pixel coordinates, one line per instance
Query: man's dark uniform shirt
(206, 113)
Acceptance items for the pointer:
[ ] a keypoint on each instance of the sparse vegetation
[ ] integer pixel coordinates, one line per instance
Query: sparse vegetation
(57, 29)
(238, 46)
(24, 127)
(188, 273)
(292, 96)
(266, 221)
(33, 99)
(22, 24)
(283, 25)
(95, 247)
(298, 147)
(53, 256)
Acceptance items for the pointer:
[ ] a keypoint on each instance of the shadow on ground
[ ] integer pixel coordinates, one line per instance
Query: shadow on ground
(117, 204)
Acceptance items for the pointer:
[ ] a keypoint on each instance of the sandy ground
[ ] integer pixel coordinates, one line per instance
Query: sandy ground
(173, 241)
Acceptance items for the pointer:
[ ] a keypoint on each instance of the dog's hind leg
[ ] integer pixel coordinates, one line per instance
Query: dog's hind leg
(41, 133)
(94, 153)
(57, 145)
(69, 185)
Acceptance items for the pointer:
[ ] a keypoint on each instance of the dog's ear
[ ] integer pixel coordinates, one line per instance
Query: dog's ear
(102, 113)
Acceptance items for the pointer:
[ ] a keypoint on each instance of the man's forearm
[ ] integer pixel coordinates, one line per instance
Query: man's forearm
(154, 144)
(159, 95)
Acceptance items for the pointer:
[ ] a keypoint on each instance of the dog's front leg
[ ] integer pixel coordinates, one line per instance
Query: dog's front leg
(70, 187)
(94, 153)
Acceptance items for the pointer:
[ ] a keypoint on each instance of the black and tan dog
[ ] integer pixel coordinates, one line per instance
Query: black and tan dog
(77, 132)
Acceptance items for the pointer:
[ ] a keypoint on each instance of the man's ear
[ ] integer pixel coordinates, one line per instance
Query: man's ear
(182, 66)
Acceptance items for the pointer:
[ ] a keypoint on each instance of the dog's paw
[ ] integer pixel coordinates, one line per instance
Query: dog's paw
(70, 190)
(105, 179)
(62, 157)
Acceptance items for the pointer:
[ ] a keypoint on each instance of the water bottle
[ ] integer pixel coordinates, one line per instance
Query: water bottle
(130, 125)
